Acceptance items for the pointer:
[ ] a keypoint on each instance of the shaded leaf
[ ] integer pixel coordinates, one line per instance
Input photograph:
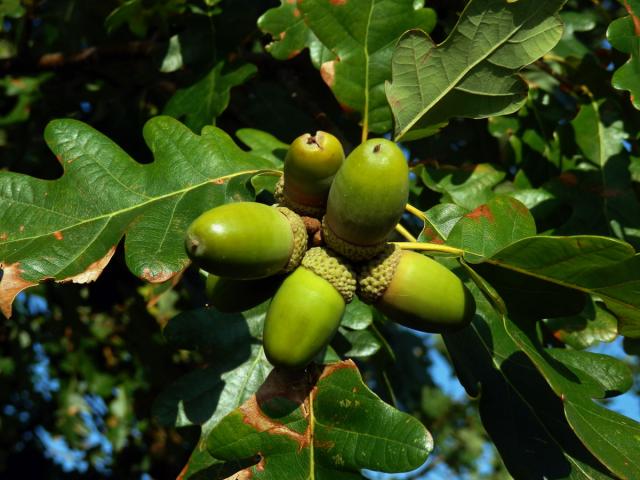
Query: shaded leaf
(352, 43)
(201, 103)
(604, 267)
(203, 397)
(357, 316)
(319, 426)
(576, 377)
(624, 35)
(520, 412)
(575, 21)
(472, 73)
(593, 325)
(79, 219)
(357, 343)
(467, 186)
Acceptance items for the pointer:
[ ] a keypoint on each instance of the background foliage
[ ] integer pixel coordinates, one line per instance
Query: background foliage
(123, 377)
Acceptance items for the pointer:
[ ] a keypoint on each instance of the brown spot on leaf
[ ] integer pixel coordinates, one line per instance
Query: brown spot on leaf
(636, 19)
(296, 13)
(328, 72)
(338, 2)
(93, 271)
(218, 181)
(3, 236)
(568, 178)
(156, 277)
(11, 285)
(482, 211)
(22, 228)
(58, 235)
(334, 367)
(282, 35)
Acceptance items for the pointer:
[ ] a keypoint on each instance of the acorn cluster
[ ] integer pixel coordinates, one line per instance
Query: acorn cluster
(253, 252)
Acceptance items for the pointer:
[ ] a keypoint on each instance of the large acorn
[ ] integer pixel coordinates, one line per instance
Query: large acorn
(309, 167)
(307, 308)
(366, 200)
(416, 291)
(246, 240)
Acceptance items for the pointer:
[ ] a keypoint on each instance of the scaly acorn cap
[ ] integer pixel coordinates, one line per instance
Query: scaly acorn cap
(416, 291)
(299, 208)
(375, 276)
(333, 269)
(354, 252)
(300, 238)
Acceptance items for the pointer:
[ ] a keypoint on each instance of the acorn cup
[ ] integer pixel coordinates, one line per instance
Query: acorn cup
(309, 167)
(307, 309)
(366, 200)
(416, 291)
(246, 240)
(230, 295)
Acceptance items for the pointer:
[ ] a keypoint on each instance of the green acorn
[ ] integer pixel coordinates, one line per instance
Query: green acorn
(230, 295)
(246, 240)
(366, 200)
(416, 291)
(307, 308)
(309, 167)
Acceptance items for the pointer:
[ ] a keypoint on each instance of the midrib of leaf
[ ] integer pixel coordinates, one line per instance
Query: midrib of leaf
(139, 205)
(597, 432)
(524, 400)
(168, 225)
(312, 426)
(529, 273)
(365, 120)
(464, 72)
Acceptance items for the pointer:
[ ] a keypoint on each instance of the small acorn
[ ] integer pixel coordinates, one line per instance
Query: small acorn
(366, 200)
(230, 295)
(416, 291)
(309, 167)
(307, 308)
(246, 240)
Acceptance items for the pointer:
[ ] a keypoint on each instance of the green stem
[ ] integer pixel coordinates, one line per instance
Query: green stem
(430, 247)
(405, 233)
(415, 212)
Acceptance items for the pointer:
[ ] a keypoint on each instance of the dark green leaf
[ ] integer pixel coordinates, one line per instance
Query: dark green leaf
(358, 343)
(360, 37)
(201, 103)
(604, 267)
(79, 219)
(576, 377)
(357, 315)
(467, 186)
(238, 368)
(319, 426)
(624, 35)
(471, 74)
(520, 412)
